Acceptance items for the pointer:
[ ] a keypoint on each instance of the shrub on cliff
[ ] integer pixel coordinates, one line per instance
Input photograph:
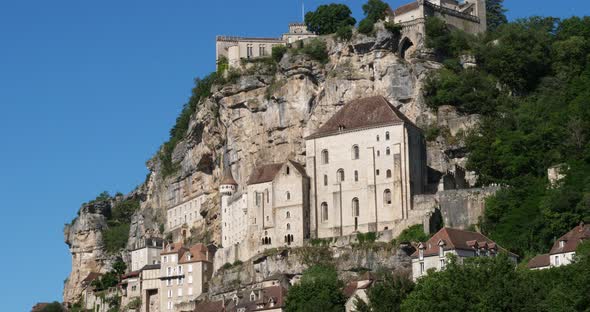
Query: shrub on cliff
(319, 290)
(327, 19)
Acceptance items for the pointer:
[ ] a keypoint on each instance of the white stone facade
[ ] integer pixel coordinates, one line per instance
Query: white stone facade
(363, 179)
(234, 217)
(147, 252)
(186, 212)
(237, 48)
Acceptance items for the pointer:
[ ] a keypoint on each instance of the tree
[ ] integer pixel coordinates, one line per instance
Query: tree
(53, 307)
(119, 267)
(375, 10)
(495, 14)
(319, 290)
(388, 293)
(328, 18)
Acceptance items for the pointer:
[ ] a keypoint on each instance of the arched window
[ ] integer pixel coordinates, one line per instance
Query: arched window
(324, 211)
(388, 151)
(288, 226)
(355, 152)
(387, 197)
(388, 173)
(355, 207)
(356, 176)
(387, 136)
(325, 157)
(288, 196)
(325, 180)
(288, 215)
(340, 175)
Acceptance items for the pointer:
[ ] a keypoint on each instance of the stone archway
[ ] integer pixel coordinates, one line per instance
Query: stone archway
(405, 45)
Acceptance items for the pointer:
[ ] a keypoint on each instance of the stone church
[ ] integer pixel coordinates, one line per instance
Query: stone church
(365, 164)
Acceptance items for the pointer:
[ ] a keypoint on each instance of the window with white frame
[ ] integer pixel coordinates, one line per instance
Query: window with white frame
(421, 268)
(169, 293)
(442, 264)
(355, 152)
(179, 292)
(190, 291)
(190, 279)
(325, 157)
(340, 175)
(190, 268)
(169, 305)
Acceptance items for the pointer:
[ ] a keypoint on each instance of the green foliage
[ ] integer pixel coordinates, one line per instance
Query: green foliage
(222, 65)
(278, 52)
(134, 304)
(431, 132)
(519, 54)
(493, 284)
(106, 281)
(388, 293)
(471, 91)
(53, 307)
(119, 267)
(366, 238)
(447, 42)
(366, 26)
(319, 290)
(344, 33)
(316, 49)
(375, 10)
(413, 234)
(327, 19)
(115, 237)
(495, 14)
(124, 210)
(393, 28)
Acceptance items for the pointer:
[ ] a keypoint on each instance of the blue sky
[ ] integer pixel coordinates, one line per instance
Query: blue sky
(88, 91)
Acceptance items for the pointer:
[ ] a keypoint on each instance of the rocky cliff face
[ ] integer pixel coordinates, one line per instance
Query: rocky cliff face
(262, 118)
(84, 237)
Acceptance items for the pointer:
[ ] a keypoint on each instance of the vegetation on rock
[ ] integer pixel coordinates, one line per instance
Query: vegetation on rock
(329, 18)
(319, 290)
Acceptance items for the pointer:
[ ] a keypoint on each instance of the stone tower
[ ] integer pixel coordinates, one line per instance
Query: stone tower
(228, 185)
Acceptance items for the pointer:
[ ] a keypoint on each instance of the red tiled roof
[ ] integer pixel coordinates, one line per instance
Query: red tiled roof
(572, 239)
(198, 253)
(406, 8)
(539, 261)
(210, 306)
(457, 239)
(177, 248)
(362, 113)
(92, 276)
(267, 173)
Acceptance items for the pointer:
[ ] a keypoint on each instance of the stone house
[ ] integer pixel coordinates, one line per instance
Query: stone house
(150, 287)
(563, 251)
(234, 212)
(365, 165)
(145, 252)
(234, 49)
(463, 244)
(130, 287)
(278, 206)
(185, 213)
(184, 273)
(358, 290)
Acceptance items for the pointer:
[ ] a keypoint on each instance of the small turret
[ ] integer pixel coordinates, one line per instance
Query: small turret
(228, 185)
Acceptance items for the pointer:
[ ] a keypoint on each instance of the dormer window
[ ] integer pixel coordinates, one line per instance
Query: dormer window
(561, 244)
(188, 256)
(421, 251)
(252, 296)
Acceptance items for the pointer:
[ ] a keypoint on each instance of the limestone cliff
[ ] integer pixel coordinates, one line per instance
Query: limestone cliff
(262, 117)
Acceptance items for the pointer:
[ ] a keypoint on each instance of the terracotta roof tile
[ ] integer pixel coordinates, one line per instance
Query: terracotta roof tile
(198, 253)
(174, 248)
(362, 113)
(229, 178)
(406, 8)
(539, 261)
(456, 239)
(210, 306)
(267, 173)
(572, 239)
(92, 276)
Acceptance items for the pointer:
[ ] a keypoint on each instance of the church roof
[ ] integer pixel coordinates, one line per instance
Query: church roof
(267, 173)
(572, 239)
(229, 178)
(361, 113)
(457, 239)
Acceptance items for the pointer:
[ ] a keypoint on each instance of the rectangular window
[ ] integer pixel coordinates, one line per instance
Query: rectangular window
(421, 268)
(190, 291)
(190, 268)
(169, 305)
(179, 292)
(190, 279)
(170, 293)
(556, 260)
(442, 264)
